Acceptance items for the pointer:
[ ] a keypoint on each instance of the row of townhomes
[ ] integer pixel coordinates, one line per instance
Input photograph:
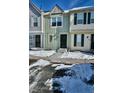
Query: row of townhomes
(71, 29)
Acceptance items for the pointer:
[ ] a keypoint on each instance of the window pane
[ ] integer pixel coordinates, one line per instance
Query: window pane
(80, 18)
(92, 14)
(79, 21)
(35, 19)
(54, 21)
(59, 21)
(35, 22)
(92, 17)
(79, 40)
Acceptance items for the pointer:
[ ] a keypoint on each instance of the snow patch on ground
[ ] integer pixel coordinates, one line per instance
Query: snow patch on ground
(55, 65)
(61, 66)
(74, 83)
(40, 62)
(49, 83)
(42, 53)
(77, 55)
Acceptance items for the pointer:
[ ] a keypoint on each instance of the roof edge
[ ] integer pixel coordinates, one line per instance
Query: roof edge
(35, 7)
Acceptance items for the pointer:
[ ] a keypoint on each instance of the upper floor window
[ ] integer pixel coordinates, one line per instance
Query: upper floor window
(56, 21)
(59, 21)
(78, 18)
(92, 17)
(35, 23)
(53, 21)
(84, 18)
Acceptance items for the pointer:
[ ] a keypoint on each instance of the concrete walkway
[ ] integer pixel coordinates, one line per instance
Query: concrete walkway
(55, 59)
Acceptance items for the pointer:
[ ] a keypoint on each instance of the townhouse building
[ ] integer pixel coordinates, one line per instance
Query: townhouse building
(35, 26)
(69, 29)
(82, 28)
(56, 27)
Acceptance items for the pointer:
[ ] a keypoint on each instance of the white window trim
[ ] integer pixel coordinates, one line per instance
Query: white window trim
(78, 46)
(92, 12)
(56, 21)
(67, 38)
(37, 22)
(78, 18)
(51, 22)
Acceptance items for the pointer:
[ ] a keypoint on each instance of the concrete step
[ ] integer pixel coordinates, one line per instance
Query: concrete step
(62, 50)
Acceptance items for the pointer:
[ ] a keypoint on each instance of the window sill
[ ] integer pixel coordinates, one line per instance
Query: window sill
(56, 26)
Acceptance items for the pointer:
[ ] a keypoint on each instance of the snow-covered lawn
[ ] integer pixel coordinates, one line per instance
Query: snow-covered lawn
(77, 55)
(77, 79)
(42, 53)
(40, 62)
(61, 66)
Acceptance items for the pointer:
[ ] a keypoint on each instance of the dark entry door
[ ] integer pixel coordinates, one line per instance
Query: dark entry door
(92, 41)
(37, 41)
(63, 41)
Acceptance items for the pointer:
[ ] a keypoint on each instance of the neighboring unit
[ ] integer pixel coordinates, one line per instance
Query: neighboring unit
(35, 26)
(70, 29)
(82, 28)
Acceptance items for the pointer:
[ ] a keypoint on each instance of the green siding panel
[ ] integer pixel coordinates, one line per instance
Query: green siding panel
(55, 32)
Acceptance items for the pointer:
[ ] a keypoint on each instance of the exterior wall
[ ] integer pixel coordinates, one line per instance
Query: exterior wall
(55, 32)
(32, 40)
(87, 42)
(82, 27)
(34, 14)
(68, 28)
(86, 29)
(33, 31)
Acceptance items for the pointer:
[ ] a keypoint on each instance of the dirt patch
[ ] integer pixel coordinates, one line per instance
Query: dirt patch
(31, 61)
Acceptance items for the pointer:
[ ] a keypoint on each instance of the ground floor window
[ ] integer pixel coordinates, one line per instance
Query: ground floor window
(78, 40)
(31, 41)
(34, 41)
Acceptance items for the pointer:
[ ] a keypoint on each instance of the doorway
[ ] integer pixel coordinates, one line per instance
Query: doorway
(92, 41)
(37, 41)
(63, 41)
